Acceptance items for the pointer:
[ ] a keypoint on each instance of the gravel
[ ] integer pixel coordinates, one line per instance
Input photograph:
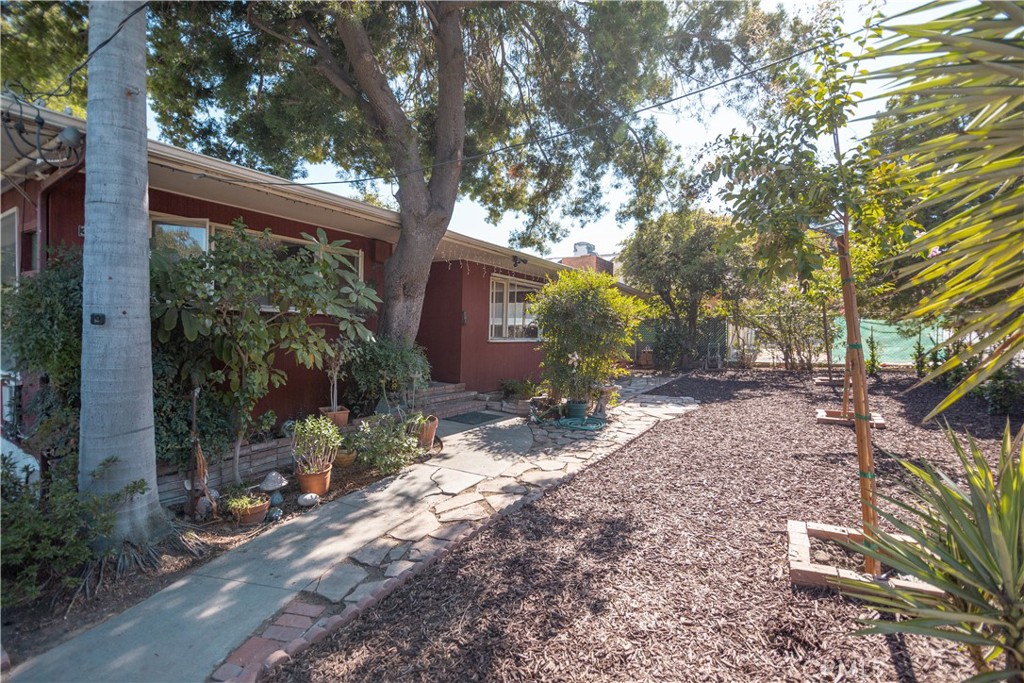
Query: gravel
(667, 560)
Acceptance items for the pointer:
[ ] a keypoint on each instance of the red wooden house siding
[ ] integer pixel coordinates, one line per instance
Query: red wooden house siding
(458, 298)
(306, 389)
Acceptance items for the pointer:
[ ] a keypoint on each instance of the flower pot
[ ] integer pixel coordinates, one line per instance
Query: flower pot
(339, 416)
(317, 482)
(427, 431)
(253, 515)
(576, 409)
(344, 458)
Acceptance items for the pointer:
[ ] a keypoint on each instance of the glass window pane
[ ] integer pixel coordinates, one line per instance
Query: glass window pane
(497, 314)
(9, 249)
(187, 240)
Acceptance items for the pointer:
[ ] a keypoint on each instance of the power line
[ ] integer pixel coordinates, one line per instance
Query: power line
(74, 72)
(601, 122)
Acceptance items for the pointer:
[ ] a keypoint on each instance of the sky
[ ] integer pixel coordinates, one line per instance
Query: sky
(689, 132)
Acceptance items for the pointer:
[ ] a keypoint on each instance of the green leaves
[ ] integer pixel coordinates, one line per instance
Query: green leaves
(961, 81)
(969, 542)
(586, 325)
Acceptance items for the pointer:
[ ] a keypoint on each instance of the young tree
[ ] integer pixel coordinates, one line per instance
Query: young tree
(117, 374)
(524, 107)
(676, 257)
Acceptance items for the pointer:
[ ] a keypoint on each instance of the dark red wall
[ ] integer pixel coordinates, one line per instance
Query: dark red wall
(459, 286)
(440, 330)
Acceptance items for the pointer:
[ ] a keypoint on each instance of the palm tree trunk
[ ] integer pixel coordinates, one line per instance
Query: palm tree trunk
(117, 373)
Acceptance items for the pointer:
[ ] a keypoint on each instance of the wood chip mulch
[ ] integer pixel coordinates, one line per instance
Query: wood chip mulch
(667, 560)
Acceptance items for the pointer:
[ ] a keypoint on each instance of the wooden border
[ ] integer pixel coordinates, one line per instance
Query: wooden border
(837, 417)
(803, 572)
(824, 381)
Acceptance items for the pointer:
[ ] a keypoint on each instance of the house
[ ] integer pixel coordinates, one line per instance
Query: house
(475, 327)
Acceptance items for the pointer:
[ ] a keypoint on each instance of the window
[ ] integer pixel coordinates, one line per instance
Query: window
(9, 248)
(510, 318)
(187, 236)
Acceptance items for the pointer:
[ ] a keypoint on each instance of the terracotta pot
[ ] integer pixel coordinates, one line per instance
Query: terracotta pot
(427, 431)
(253, 515)
(317, 483)
(339, 416)
(344, 458)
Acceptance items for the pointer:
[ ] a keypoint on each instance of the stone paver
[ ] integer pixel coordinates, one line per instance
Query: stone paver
(453, 481)
(363, 590)
(397, 567)
(502, 485)
(450, 531)
(549, 464)
(458, 501)
(466, 513)
(373, 553)
(416, 528)
(425, 548)
(339, 581)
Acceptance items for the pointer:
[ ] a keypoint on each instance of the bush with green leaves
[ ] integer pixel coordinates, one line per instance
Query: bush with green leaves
(315, 443)
(873, 365)
(49, 531)
(518, 389)
(388, 366)
(968, 541)
(385, 442)
(587, 326)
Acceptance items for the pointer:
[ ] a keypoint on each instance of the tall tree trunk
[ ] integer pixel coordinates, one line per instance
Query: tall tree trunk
(117, 373)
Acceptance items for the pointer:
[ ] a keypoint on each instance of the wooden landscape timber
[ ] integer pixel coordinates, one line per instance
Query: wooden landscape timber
(804, 572)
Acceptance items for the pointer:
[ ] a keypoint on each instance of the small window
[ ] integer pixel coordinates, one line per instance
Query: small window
(188, 237)
(9, 248)
(510, 317)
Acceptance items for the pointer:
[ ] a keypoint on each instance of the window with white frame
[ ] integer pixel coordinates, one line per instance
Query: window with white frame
(510, 317)
(187, 236)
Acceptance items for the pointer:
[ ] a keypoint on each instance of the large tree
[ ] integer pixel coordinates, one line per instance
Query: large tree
(525, 107)
(117, 448)
(676, 257)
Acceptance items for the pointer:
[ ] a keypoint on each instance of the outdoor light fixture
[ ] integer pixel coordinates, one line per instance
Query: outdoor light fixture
(62, 151)
(517, 261)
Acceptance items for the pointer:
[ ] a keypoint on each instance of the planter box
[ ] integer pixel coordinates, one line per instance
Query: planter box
(520, 407)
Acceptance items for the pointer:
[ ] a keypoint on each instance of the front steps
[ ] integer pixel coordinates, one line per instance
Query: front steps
(444, 400)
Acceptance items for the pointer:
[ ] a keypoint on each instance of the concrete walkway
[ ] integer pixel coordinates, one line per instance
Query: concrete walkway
(255, 606)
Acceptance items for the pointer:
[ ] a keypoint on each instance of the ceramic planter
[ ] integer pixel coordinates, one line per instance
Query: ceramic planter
(253, 515)
(576, 409)
(344, 458)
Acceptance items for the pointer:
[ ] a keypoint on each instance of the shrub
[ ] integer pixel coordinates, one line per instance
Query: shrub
(315, 442)
(49, 538)
(385, 365)
(42, 324)
(872, 364)
(518, 389)
(587, 325)
(967, 541)
(1003, 393)
(384, 442)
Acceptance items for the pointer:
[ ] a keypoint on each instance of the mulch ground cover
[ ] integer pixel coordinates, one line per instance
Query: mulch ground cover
(667, 560)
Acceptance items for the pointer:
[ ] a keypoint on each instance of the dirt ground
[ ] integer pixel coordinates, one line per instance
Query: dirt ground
(667, 560)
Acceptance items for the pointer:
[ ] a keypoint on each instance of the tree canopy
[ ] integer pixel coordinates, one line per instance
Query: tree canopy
(525, 107)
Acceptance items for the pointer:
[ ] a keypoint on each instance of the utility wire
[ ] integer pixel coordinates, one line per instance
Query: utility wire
(547, 138)
(74, 72)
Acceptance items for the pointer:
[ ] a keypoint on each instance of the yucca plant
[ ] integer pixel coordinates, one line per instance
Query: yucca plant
(966, 66)
(968, 542)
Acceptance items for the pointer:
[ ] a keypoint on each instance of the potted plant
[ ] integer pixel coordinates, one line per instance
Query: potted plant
(424, 428)
(346, 453)
(315, 444)
(339, 353)
(245, 505)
